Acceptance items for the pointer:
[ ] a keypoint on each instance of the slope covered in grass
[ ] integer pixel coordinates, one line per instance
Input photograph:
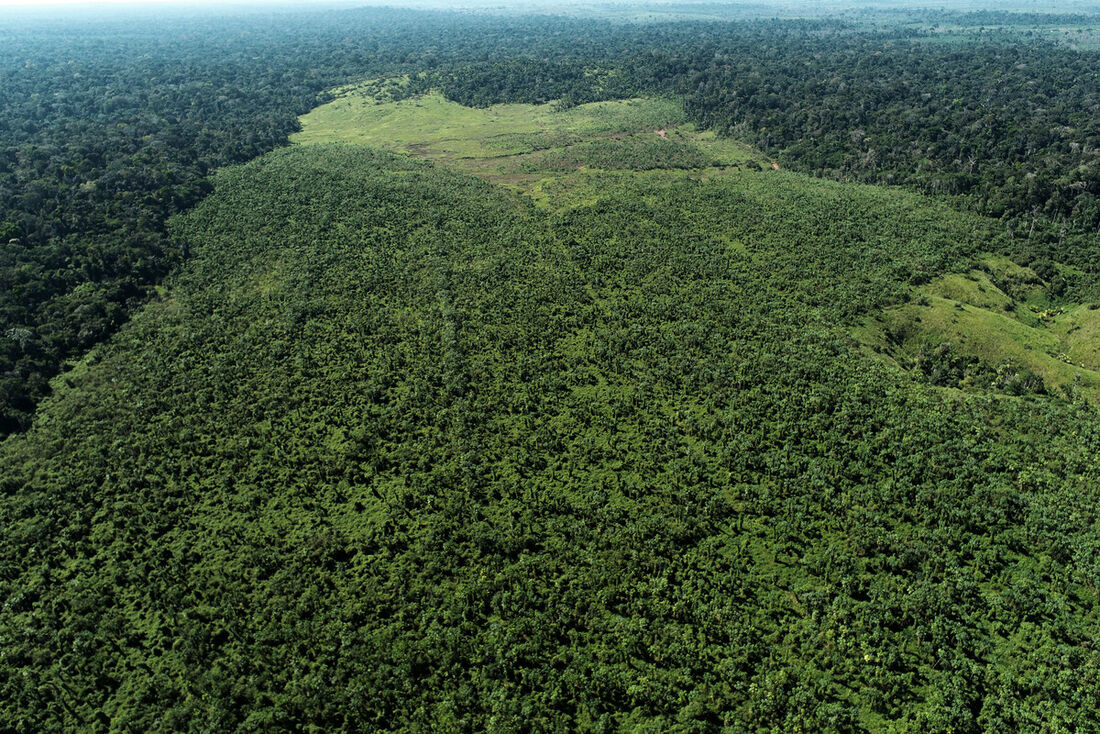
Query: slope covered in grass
(403, 450)
(522, 144)
(966, 330)
(362, 115)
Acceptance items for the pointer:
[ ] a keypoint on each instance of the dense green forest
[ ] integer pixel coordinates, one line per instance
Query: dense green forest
(108, 128)
(551, 374)
(401, 451)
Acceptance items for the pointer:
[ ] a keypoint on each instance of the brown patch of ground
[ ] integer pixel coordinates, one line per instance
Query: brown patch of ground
(775, 166)
(663, 133)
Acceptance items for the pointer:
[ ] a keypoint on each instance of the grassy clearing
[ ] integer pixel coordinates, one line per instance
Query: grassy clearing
(527, 146)
(1078, 329)
(433, 126)
(974, 288)
(998, 313)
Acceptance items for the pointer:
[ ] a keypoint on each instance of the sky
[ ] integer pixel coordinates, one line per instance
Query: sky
(93, 4)
(116, 5)
(143, 7)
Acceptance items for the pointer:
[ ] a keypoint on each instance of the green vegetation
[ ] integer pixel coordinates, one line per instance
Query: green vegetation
(1006, 127)
(525, 146)
(102, 141)
(440, 127)
(403, 449)
(522, 144)
(563, 410)
(967, 316)
(635, 153)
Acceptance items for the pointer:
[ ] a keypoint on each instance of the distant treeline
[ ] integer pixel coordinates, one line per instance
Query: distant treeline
(1012, 128)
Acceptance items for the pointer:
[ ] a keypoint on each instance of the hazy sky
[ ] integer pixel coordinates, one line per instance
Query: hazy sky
(519, 5)
(92, 4)
(143, 3)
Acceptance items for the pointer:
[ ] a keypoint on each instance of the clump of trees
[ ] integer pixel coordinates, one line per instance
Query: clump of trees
(628, 153)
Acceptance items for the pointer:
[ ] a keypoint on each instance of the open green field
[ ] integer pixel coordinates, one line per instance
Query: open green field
(1000, 314)
(525, 145)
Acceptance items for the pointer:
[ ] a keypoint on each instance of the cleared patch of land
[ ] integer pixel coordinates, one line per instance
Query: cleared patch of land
(996, 319)
(525, 146)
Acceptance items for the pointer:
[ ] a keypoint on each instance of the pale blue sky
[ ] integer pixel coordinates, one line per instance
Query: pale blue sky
(93, 4)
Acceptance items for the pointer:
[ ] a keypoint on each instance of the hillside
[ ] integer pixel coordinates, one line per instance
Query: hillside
(544, 436)
(525, 146)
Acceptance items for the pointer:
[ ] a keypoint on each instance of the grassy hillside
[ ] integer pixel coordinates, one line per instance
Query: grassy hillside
(520, 144)
(965, 329)
(404, 449)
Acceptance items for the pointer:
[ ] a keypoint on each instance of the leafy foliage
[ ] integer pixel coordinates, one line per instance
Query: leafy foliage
(401, 451)
(633, 153)
(396, 448)
(106, 130)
